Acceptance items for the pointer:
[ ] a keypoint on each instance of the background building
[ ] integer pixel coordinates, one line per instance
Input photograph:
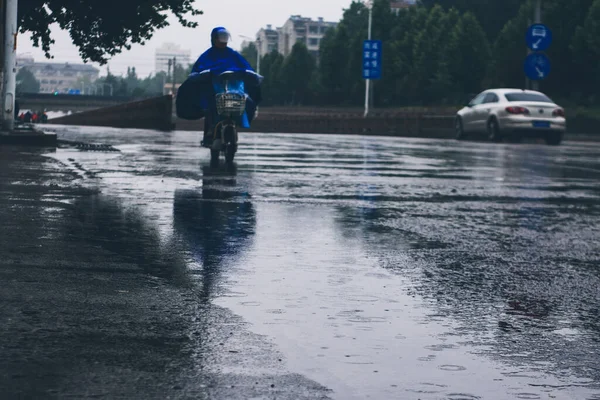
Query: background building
(305, 30)
(59, 77)
(398, 5)
(167, 52)
(267, 40)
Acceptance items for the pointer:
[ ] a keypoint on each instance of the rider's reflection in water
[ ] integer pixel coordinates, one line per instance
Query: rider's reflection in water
(216, 223)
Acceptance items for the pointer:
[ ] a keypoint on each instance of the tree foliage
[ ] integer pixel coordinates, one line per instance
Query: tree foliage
(430, 55)
(585, 51)
(272, 88)
(250, 53)
(441, 51)
(26, 82)
(491, 14)
(296, 74)
(434, 53)
(129, 85)
(101, 28)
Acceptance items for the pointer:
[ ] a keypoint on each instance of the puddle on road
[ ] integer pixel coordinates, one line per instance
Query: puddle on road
(351, 307)
(371, 341)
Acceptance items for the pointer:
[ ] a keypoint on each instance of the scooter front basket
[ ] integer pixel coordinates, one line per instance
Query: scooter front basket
(231, 104)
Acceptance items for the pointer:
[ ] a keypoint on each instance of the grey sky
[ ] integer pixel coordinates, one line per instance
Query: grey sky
(241, 17)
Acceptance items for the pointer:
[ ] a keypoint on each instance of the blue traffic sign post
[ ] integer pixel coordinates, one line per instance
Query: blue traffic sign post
(537, 66)
(372, 59)
(538, 37)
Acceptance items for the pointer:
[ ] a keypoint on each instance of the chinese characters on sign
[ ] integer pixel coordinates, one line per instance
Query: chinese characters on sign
(372, 59)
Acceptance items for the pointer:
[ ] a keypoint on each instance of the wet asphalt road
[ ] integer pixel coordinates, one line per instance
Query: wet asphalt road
(320, 266)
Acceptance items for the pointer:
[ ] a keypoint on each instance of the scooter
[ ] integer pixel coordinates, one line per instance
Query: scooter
(226, 100)
(230, 100)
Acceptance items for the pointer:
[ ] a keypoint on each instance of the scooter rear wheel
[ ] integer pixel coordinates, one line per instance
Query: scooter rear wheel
(230, 153)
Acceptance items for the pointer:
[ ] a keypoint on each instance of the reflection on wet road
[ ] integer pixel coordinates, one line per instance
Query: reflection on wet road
(383, 268)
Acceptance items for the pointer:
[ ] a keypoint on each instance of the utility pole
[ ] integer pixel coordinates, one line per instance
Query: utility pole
(1, 52)
(258, 51)
(174, 75)
(537, 20)
(9, 53)
(368, 83)
(169, 68)
(527, 81)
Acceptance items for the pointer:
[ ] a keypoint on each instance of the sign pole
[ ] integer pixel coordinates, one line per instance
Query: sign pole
(539, 38)
(537, 20)
(372, 61)
(367, 87)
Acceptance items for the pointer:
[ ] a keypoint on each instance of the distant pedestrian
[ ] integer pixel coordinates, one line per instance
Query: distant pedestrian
(27, 118)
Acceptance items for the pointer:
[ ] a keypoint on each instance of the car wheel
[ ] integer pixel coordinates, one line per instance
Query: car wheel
(459, 132)
(554, 138)
(493, 129)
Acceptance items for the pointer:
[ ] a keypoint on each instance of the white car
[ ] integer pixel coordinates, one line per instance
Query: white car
(512, 113)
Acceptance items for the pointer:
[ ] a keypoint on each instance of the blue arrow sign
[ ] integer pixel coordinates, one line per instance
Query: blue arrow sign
(537, 66)
(539, 37)
(372, 59)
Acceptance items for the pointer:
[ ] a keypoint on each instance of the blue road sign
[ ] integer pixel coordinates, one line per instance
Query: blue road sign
(372, 59)
(539, 37)
(537, 66)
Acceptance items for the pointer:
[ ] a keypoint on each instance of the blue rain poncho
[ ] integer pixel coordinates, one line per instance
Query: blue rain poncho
(196, 95)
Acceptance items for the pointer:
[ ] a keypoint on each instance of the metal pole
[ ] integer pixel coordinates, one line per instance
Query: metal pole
(9, 81)
(258, 51)
(527, 80)
(174, 67)
(368, 83)
(1, 52)
(538, 20)
(169, 69)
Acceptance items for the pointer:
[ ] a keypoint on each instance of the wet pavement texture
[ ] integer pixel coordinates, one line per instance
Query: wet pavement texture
(318, 266)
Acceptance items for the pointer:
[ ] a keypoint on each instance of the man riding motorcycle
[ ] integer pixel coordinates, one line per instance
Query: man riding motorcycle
(196, 99)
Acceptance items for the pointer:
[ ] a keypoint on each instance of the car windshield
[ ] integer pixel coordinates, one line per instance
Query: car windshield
(527, 97)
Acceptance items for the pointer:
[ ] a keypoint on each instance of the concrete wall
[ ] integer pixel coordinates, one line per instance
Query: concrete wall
(425, 123)
(65, 102)
(155, 113)
(406, 125)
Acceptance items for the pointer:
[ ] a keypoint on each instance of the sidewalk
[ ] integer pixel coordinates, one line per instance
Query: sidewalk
(94, 305)
(27, 135)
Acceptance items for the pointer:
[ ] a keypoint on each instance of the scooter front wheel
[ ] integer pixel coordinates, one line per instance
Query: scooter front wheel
(214, 157)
